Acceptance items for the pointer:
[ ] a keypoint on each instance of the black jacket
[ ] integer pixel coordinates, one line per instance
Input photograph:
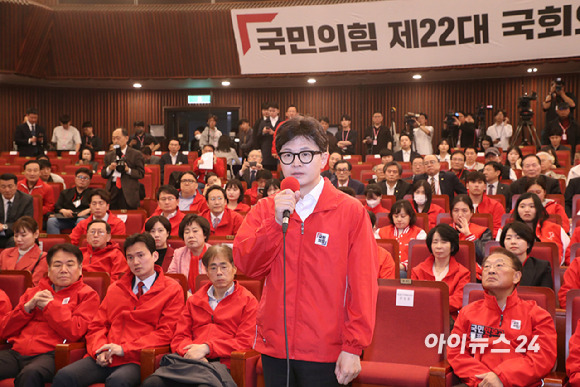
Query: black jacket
(572, 189)
(383, 139)
(21, 136)
(69, 195)
(449, 183)
(398, 156)
(519, 186)
(401, 189)
(537, 272)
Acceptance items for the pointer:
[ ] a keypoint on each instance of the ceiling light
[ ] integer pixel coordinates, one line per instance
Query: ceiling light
(417, 76)
(532, 70)
(137, 85)
(311, 81)
(226, 83)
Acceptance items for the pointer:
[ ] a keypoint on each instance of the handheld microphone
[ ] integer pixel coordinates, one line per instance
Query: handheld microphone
(293, 185)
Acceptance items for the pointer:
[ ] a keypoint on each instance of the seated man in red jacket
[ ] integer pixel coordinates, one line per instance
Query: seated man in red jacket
(219, 318)
(99, 205)
(32, 184)
(168, 207)
(223, 221)
(102, 255)
(56, 311)
(140, 311)
(509, 341)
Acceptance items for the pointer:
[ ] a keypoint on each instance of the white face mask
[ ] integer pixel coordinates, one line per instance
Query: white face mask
(197, 137)
(420, 199)
(372, 203)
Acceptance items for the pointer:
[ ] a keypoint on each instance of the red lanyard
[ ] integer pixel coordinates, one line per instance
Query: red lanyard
(347, 133)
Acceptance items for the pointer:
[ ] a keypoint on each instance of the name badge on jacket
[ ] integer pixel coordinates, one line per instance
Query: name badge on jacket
(321, 239)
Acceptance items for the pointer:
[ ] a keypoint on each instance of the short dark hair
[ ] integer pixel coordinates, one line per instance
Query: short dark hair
(406, 134)
(556, 131)
(215, 188)
(209, 145)
(146, 151)
(273, 105)
(455, 152)
(469, 147)
(540, 180)
(37, 162)
(210, 174)
(347, 190)
(158, 218)
(84, 170)
(9, 176)
(403, 205)
(64, 118)
(325, 119)
(87, 124)
(189, 219)
(243, 121)
(44, 164)
(345, 117)
(495, 165)
(424, 115)
(212, 117)
(270, 183)
(263, 174)
(393, 163)
(139, 123)
(145, 238)
(463, 198)
(373, 189)
(95, 221)
(517, 264)
(167, 189)
(385, 152)
(531, 155)
(522, 230)
(102, 193)
(32, 110)
(187, 173)
(25, 223)
(236, 183)
(90, 150)
(214, 250)
(343, 161)
(474, 176)
(67, 248)
(447, 233)
(306, 127)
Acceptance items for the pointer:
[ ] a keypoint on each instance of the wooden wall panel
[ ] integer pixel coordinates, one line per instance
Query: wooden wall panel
(111, 108)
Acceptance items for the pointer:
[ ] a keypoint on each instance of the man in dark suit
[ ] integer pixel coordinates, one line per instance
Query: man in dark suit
(342, 169)
(406, 154)
(393, 184)
(251, 167)
(265, 136)
(173, 157)
(572, 189)
(29, 136)
(570, 128)
(123, 167)
(15, 204)
(493, 154)
(531, 168)
(377, 136)
(442, 183)
(492, 171)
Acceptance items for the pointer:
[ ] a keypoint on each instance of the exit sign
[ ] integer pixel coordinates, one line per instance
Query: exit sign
(198, 99)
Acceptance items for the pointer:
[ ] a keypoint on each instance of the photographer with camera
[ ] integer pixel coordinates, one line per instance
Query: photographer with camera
(423, 135)
(123, 167)
(501, 131)
(565, 126)
(557, 95)
(460, 129)
(377, 136)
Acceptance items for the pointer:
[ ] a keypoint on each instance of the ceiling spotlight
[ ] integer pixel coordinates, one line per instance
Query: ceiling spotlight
(311, 81)
(137, 85)
(417, 76)
(532, 70)
(226, 83)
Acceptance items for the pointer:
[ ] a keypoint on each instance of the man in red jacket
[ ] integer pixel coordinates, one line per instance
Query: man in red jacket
(476, 182)
(509, 341)
(32, 184)
(102, 255)
(56, 311)
(168, 207)
(222, 220)
(331, 268)
(140, 311)
(100, 200)
(220, 318)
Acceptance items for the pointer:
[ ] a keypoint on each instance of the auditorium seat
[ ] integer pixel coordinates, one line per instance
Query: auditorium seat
(169, 169)
(442, 201)
(175, 242)
(221, 239)
(418, 252)
(574, 249)
(182, 280)
(37, 210)
(14, 283)
(373, 159)
(56, 190)
(405, 328)
(156, 175)
(353, 159)
(485, 220)
(133, 219)
(357, 170)
(499, 198)
(99, 281)
(253, 285)
(46, 241)
(14, 169)
(422, 221)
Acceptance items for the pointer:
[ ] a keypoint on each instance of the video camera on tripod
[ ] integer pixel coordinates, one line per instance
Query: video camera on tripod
(525, 106)
(525, 122)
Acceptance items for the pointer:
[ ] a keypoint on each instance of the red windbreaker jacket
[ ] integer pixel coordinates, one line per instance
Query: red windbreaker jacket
(109, 259)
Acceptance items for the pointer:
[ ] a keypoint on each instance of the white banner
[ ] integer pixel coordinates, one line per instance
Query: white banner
(404, 34)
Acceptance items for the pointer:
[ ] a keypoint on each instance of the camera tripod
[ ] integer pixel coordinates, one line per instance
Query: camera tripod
(526, 126)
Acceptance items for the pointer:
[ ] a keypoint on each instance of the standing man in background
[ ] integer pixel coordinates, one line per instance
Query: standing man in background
(29, 136)
(377, 136)
(66, 137)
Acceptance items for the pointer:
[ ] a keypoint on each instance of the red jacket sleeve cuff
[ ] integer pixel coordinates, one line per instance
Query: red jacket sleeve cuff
(350, 349)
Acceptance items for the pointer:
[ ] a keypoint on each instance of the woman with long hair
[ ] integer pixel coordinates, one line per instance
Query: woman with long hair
(422, 197)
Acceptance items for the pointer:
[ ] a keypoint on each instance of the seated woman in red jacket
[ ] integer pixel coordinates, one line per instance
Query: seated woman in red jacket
(160, 229)
(374, 194)
(501, 322)
(386, 262)
(422, 196)
(235, 194)
(538, 186)
(443, 244)
(222, 220)
(194, 231)
(403, 229)
(26, 255)
(461, 213)
(519, 239)
(219, 318)
(529, 210)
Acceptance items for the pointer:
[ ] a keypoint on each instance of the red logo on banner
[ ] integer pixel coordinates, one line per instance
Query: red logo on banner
(243, 20)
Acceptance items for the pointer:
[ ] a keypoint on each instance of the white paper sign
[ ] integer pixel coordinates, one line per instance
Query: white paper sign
(207, 161)
(405, 297)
